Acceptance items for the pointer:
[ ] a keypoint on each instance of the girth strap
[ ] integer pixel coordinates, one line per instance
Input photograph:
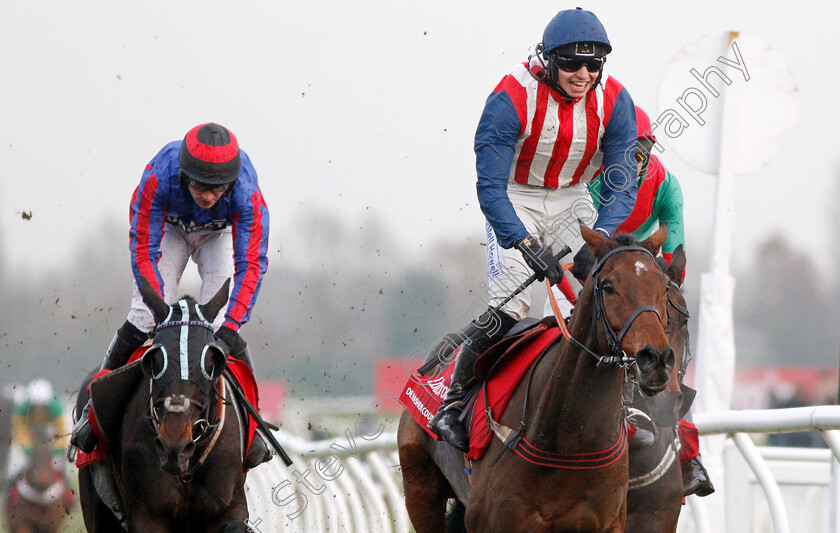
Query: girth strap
(516, 441)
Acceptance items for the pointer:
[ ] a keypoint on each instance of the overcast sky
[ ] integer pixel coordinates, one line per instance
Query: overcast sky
(354, 108)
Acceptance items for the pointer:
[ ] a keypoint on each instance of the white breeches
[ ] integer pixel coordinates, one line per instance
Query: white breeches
(553, 215)
(211, 251)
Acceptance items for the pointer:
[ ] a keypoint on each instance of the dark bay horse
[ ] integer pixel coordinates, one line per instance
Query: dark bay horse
(655, 495)
(39, 499)
(177, 452)
(571, 409)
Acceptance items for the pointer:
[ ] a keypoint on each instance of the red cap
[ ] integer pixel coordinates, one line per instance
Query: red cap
(643, 125)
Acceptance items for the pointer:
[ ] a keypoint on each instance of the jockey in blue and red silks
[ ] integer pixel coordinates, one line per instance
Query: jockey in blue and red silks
(198, 198)
(550, 126)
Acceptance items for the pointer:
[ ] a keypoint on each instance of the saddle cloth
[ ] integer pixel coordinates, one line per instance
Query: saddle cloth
(423, 396)
(111, 390)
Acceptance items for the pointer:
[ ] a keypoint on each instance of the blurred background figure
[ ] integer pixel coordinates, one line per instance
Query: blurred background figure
(38, 495)
(37, 415)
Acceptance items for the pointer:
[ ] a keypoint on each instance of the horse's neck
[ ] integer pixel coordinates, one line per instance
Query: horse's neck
(578, 403)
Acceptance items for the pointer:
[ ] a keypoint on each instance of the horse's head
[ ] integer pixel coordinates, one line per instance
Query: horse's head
(629, 293)
(183, 365)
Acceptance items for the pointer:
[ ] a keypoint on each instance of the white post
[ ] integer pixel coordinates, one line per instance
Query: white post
(716, 341)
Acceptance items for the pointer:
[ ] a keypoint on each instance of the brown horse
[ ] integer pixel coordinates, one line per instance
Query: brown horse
(654, 498)
(571, 409)
(177, 449)
(39, 499)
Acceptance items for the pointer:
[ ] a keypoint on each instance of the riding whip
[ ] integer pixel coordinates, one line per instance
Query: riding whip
(562, 253)
(261, 424)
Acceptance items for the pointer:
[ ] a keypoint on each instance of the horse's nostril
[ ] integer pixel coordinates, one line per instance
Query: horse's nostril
(670, 359)
(647, 358)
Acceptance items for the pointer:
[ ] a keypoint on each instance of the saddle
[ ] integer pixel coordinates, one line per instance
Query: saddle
(499, 370)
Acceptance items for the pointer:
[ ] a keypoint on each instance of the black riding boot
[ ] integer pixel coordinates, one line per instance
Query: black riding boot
(491, 327)
(258, 452)
(127, 339)
(696, 479)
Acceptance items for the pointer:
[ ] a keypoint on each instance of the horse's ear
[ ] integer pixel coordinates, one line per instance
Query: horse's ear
(150, 296)
(676, 270)
(599, 244)
(211, 308)
(655, 241)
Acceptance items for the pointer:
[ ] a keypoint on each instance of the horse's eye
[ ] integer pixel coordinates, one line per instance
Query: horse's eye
(608, 287)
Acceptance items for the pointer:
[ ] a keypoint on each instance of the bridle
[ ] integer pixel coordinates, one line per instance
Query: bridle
(208, 427)
(174, 404)
(686, 358)
(616, 356)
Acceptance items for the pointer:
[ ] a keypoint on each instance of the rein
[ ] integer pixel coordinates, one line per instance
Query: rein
(515, 439)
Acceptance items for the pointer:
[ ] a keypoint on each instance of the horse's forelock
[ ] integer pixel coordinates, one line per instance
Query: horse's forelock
(625, 239)
(185, 309)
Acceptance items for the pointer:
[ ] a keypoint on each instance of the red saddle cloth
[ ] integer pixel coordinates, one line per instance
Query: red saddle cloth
(423, 396)
(238, 369)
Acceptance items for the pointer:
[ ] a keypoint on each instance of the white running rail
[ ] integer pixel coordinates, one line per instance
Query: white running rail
(353, 484)
(798, 466)
(347, 484)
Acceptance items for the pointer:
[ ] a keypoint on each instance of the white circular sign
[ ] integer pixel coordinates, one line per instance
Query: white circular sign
(763, 101)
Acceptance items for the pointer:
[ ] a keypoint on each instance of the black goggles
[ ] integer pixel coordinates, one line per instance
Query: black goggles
(573, 64)
(203, 187)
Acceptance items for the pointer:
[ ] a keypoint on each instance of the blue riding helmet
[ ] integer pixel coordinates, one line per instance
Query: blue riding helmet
(575, 26)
